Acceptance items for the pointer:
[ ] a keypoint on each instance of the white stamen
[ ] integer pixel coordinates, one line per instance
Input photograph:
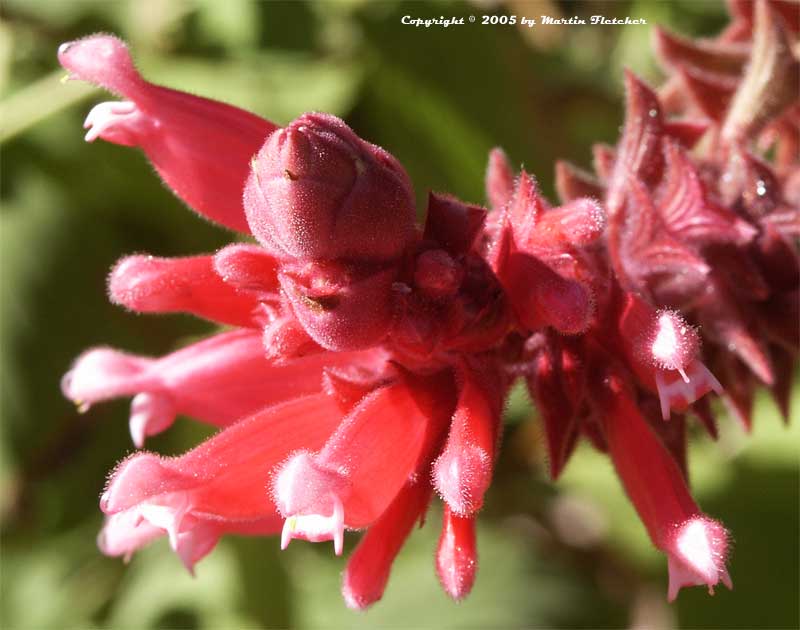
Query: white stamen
(316, 528)
(683, 392)
(105, 116)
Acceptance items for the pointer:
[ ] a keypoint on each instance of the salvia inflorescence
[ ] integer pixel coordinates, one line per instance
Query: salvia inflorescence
(366, 358)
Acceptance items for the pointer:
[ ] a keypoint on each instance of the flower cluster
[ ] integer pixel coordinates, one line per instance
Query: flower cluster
(367, 358)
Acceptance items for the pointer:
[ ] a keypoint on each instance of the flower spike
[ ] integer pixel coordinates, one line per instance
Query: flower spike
(370, 356)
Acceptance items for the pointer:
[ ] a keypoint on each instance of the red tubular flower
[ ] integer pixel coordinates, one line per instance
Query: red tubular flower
(696, 546)
(367, 572)
(662, 349)
(201, 148)
(217, 487)
(191, 285)
(219, 381)
(362, 466)
(371, 357)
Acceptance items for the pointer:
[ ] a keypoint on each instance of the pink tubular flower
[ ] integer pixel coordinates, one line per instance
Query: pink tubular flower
(191, 285)
(218, 381)
(217, 487)
(370, 357)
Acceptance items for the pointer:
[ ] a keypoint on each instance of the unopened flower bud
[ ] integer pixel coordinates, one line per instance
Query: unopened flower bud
(318, 191)
(341, 307)
(437, 274)
(456, 555)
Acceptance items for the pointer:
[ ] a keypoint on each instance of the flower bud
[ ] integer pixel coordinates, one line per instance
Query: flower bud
(437, 274)
(499, 179)
(463, 471)
(148, 284)
(456, 555)
(341, 307)
(318, 191)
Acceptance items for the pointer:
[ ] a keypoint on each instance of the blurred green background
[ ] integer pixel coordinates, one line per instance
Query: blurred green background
(567, 555)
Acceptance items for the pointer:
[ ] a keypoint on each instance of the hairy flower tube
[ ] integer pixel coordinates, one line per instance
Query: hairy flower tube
(369, 358)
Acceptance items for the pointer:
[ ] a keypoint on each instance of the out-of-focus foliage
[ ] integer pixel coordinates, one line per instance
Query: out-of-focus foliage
(569, 555)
